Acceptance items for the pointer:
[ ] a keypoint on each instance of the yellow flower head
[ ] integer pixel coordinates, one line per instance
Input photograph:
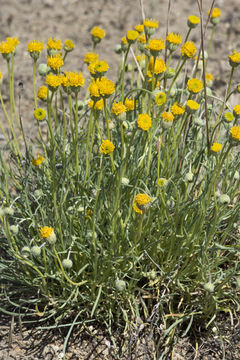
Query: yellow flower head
(55, 62)
(42, 93)
(69, 45)
(167, 116)
(132, 36)
(38, 160)
(118, 108)
(90, 58)
(193, 21)
(216, 147)
(150, 23)
(162, 182)
(142, 39)
(159, 67)
(144, 122)
(1, 75)
(177, 109)
(236, 110)
(54, 44)
(140, 28)
(192, 105)
(235, 132)
(228, 117)
(98, 68)
(39, 114)
(140, 201)
(234, 59)
(209, 79)
(97, 33)
(106, 147)
(194, 85)
(129, 103)
(93, 89)
(172, 41)
(188, 49)
(124, 40)
(53, 81)
(156, 46)
(98, 105)
(160, 98)
(73, 80)
(48, 233)
(215, 13)
(35, 46)
(7, 48)
(106, 87)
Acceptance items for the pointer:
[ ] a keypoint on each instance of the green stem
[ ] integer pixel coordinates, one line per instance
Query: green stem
(34, 83)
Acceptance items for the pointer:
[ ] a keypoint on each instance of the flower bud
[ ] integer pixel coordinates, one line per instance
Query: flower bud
(120, 285)
(224, 199)
(236, 175)
(125, 181)
(189, 177)
(67, 263)
(14, 229)
(209, 287)
(43, 69)
(25, 251)
(118, 49)
(9, 211)
(35, 250)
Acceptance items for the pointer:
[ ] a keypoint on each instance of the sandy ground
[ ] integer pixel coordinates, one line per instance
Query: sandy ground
(73, 19)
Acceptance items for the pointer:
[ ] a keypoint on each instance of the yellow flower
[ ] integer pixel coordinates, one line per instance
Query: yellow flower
(216, 147)
(69, 45)
(118, 108)
(140, 201)
(142, 39)
(47, 232)
(106, 87)
(193, 21)
(34, 48)
(177, 109)
(167, 116)
(55, 62)
(160, 66)
(234, 59)
(150, 23)
(98, 67)
(192, 105)
(162, 182)
(215, 13)
(7, 48)
(139, 28)
(124, 40)
(42, 93)
(98, 105)
(172, 41)
(54, 44)
(106, 147)
(129, 103)
(132, 36)
(93, 89)
(90, 58)
(160, 98)
(75, 80)
(53, 81)
(38, 160)
(97, 34)
(188, 49)
(209, 79)
(144, 122)
(236, 110)
(235, 132)
(39, 114)
(156, 46)
(1, 75)
(194, 85)
(228, 117)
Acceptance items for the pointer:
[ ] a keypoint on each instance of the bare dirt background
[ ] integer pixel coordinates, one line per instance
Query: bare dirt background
(73, 19)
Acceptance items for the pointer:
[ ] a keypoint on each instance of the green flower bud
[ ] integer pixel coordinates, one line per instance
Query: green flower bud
(14, 229)
(170, 73)
(120, 285)
(43, 69)
(124, 181)
(67, 263)
(224, 199)
(236, 175)
(35, 250)
(189, 177)
(9, 211)
(209, 287)
(118, 49)
(25, 251)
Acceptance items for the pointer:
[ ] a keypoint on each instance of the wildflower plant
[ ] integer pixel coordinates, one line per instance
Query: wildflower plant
(118, 216)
